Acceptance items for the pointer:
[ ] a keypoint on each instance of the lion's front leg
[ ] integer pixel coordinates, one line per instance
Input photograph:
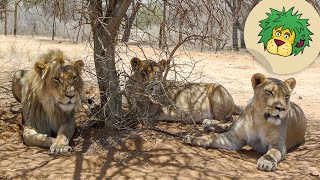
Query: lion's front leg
(228, 140)
(269, 161)
(216, 126)
(61, 143)
(32, 138)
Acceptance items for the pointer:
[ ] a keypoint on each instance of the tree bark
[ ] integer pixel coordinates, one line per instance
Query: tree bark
(104, 59)
(129, 21)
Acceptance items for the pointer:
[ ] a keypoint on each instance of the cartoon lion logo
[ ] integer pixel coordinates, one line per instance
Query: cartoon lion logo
(284, 33)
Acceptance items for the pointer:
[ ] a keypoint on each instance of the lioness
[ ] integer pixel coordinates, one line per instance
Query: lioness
(155, 99)
(270, 124)
(49, 93)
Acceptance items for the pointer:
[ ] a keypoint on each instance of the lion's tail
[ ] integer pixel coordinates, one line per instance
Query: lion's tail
(237, 110)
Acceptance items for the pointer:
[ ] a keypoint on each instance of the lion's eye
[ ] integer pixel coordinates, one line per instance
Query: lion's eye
(278, 34)
(75, 77)
(145, 73)
(56, 79)
(287, 96)
(269, 92)
(286, 36)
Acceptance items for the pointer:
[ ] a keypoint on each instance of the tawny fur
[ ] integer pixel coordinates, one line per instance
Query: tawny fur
(270, 124)
(49, 93)
(152, 98)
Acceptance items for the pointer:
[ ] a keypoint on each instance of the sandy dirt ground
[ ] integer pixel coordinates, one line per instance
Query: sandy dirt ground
(103, 154)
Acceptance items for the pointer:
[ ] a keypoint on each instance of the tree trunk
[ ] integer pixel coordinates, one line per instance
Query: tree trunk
(235, 36)
(129, 22)
(161, 35)
(242, 43)
(105, 38)
(15, 18)
(181, 20)
(53, 27)
(104, 59)
(241, 30)
(5, 16)
(162, 32)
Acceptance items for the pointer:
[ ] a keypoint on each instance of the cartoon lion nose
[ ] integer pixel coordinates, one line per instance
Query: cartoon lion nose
(278, 42)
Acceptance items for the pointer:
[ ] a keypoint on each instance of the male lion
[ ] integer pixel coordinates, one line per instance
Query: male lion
(150, 97)
(270, 124)
(49, 93)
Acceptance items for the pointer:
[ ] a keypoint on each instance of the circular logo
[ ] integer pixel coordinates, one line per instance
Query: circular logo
(283, 35)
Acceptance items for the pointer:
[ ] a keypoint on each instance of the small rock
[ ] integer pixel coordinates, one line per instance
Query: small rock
(300, 97)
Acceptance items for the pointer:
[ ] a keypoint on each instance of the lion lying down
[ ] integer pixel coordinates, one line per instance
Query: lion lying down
(270, 124)
(49, 93)
(151, 98)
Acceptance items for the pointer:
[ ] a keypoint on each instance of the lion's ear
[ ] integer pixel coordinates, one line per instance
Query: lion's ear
(40, 68)
(257, 79)
(79, 64)
(135, 63)
(290, 83)
(164, 62)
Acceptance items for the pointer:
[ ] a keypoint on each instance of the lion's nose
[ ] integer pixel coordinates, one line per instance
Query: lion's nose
(70, 97)
(280, 108)
(278, 42)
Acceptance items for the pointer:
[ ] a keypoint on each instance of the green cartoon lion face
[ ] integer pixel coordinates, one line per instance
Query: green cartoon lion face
(284, 33)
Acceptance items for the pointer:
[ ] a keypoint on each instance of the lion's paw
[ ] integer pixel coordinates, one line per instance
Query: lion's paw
(211, 125)
(266, 163)
(187, 139)
(215, 126)
(209, 122)
(59, 149)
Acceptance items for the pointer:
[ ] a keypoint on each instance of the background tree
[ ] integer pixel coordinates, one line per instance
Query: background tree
(5, 10)
(16, 3)
(235, 7)
(129, 19)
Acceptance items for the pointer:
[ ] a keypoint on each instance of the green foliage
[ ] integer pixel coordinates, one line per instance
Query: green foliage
(286, 20)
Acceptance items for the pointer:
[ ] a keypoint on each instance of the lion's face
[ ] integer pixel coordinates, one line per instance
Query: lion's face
(281, 42)
(272, 97)
(63, 82)
(148, 74)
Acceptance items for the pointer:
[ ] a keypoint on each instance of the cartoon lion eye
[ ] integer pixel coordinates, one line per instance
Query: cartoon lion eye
(286, 36)
(278, 33)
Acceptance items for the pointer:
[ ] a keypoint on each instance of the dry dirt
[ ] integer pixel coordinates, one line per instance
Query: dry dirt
(103, 154)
